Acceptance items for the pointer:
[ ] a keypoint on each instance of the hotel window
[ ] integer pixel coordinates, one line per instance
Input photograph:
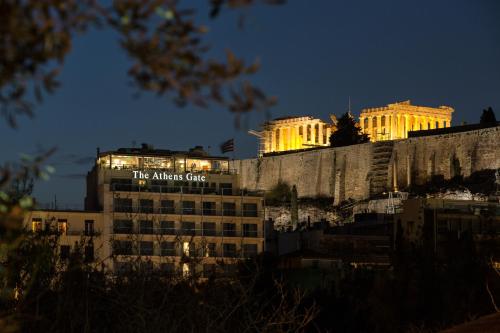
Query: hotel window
(122, 267)
(208, 270)
(230, 269)
(229, 250)
(168, 248)
(188, 228)
(198, 165)
(125, 162)
(180, 164)
(228, 209)
(167, 267)
(192, 249)
(146, 248)
(226, 188)
(62, 226)
(208, 229)
(36, 225)
(308, 132)
(188, 207)
(123, 226)
(249, 230)
(89, 253)
(167, 207)
(145, 206)
(209, 250)
(249, 250)
(122, 205)
(209, 208)
(121, 247)
(167, 227)
(250, 209)
(146, 227)
(121, 184)
(146, 266)
(229, 229)
(185, 248)
(89, 227)
(64, 252)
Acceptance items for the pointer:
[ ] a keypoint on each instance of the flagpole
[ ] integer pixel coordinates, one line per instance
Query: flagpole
(233, 150)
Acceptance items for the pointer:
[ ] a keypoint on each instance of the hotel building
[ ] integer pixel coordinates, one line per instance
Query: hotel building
(176, 211)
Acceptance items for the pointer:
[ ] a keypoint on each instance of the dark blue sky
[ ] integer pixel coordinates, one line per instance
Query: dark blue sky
(314, 54)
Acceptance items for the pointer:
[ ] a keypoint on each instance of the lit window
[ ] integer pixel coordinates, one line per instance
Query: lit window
(185, 248)
(62, 226)
(36, 225)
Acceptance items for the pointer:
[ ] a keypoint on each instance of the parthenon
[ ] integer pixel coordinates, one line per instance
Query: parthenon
(390, 122)
(292, 133)
(395, 120)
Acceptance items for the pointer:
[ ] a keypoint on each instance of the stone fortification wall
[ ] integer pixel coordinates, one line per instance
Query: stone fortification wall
(357, 171)
(418, 159)
(337, 172)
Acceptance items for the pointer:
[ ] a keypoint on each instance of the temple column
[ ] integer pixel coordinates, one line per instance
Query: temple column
(273, 140)
(388, 121)
(282, 141)
(441, 122)
(362, 124)
(407, 125)
(328, 134)
(370, 128)
(378, 129)
(398, 126)
(448, 122)
(433, 123)
(313, 133)
(320, 134)
(289, 138)
(295, 134)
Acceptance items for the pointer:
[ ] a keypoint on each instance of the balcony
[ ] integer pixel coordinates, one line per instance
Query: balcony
(185, 232)
(183, 190)
(186, 211)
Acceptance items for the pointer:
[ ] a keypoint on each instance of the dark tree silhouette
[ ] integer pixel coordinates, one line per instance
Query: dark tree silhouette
(488, 116)
(347, 133)
(167, 49)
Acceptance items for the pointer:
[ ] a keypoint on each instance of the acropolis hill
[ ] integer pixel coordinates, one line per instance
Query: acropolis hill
(364, 170)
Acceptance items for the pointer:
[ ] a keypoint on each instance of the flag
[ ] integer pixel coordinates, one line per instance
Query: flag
(227, 146)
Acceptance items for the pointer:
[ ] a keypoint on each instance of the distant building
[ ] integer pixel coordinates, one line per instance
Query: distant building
(440, 221)
(294, 133)
(177, 211)
(395, 120)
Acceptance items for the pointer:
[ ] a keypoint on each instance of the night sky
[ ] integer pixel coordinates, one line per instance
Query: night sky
(314, 55)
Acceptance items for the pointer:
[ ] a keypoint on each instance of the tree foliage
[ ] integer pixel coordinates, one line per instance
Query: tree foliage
(347, 133)
(488, 116)
(166, 46)
(280, 194)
